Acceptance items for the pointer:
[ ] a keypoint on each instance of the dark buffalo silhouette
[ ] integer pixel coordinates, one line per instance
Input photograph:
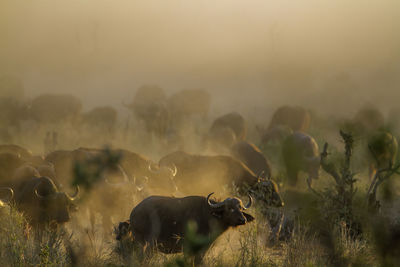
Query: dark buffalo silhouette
(160, 222)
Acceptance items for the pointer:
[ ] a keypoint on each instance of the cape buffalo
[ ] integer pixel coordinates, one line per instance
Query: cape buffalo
(150, 107)
(301, 153)
(197, 173)
(161, 222)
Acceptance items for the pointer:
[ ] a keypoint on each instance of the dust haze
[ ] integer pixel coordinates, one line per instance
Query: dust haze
(331, 56)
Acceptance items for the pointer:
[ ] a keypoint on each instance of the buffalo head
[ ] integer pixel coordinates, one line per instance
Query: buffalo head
(54, 205)
(231, 211)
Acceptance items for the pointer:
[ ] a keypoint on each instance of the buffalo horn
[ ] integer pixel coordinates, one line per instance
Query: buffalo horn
(216, 205)
(152, 170)
(11, 194)
(248, 205)
(75, 195)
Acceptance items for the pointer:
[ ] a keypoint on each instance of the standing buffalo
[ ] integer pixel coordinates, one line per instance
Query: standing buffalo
(197, 173)
(300, 153)
(160, 222)
(252, 157)
(150, 107)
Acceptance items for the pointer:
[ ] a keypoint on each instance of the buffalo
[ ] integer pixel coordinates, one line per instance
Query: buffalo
(160, 222)
(301, 153)
(41, 202)
(149, 105)
(197, 173)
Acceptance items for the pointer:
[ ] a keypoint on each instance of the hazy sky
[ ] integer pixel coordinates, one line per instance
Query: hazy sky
(276, 50)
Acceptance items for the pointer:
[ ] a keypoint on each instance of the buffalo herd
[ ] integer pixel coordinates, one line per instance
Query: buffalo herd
(174, 190)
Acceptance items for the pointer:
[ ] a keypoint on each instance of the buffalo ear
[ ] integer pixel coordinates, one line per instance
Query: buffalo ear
(249, 218)
(218, 214)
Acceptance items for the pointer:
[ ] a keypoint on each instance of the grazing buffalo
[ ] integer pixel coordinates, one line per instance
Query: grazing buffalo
(300, 153)
(39, 199)
(252, 157)
(197, 174)
(234, 121)
(383, 148)
(150, 107)
(160, 222)
(54, 108)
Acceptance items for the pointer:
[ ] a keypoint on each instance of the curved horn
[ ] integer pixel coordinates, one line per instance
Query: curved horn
(248, 205)
(11, 194)
(216, 205)
(39, 195)
(150, 168)
(75, 195)
(173, 170)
